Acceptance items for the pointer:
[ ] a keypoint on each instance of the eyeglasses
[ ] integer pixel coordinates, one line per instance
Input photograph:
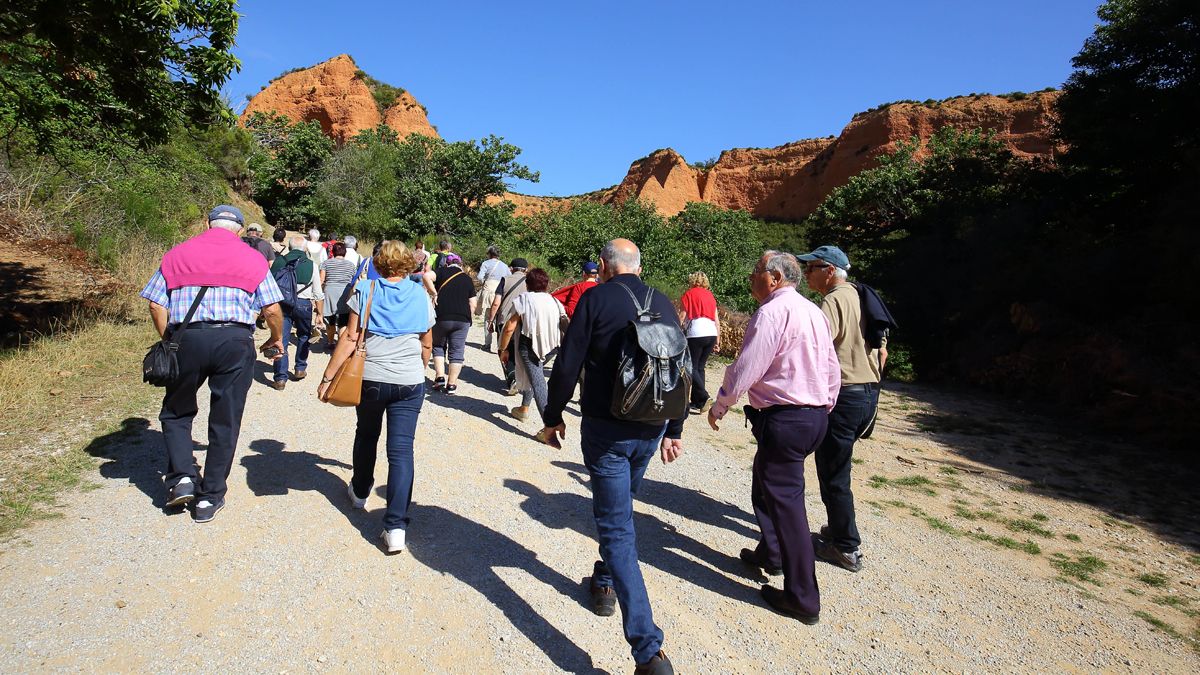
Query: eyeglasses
(808, 269)
(754, 272)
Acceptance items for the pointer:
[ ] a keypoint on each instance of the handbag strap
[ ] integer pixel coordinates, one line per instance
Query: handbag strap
(443, 284)
(187, 320)
(366, 321)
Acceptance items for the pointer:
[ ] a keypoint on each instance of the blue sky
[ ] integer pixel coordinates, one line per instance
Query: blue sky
(586, 88)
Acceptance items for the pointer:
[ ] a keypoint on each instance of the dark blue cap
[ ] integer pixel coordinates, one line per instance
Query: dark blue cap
(226, 212)
(830, 254)
(590, 267)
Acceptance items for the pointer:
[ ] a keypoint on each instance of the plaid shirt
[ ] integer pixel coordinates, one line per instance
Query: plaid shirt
(220, 303)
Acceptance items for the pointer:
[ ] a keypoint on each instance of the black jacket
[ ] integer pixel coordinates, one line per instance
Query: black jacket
(590, 343)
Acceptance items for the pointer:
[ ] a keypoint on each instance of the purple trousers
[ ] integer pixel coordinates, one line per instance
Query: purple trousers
(786, 435)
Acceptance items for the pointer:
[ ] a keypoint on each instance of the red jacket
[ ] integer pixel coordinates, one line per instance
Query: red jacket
(569, 295)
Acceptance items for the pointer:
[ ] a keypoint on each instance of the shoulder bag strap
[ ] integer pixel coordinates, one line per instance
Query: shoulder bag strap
(190, 313)
(366, 321)
(443, 284)
(513, 289)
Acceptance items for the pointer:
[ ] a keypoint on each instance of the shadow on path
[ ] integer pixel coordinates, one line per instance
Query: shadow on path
(136, 453)
(660, 545)
(471, 553)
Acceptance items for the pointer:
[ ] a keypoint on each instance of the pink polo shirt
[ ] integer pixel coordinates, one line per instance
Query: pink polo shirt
(787, 358)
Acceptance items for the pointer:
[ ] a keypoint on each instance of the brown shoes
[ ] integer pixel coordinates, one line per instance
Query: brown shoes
(300, 375)
(658, 664)
(279, 384)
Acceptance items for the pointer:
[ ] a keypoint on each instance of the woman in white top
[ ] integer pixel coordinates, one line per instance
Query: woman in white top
(541, 320)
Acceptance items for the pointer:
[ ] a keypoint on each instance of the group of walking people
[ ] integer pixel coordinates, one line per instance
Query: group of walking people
(807, 371)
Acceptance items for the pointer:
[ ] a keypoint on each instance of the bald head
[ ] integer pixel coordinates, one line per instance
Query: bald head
(620, 256)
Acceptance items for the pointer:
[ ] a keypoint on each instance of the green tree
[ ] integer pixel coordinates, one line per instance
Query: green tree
(358, 188)
(287, 165)
(103, 72)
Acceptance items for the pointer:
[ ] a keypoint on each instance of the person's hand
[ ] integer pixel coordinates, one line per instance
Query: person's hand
(503, 357)
(552, 436)
(712, 420)
(321, 388)
(671, 449)
(276, 344)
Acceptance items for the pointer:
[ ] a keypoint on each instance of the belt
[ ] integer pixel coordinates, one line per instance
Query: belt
(218, 324)
(870, 386)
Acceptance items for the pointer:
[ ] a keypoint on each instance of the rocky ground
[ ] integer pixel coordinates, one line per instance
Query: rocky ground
(992, 543)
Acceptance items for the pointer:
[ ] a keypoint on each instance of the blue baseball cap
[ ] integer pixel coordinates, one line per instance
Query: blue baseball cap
(227, 212)
(830, 254)
(590, 267)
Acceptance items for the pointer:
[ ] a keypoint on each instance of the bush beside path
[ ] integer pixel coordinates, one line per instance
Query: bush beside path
(290, 578)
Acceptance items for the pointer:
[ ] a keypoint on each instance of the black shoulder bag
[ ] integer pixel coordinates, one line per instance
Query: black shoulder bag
(161, 365)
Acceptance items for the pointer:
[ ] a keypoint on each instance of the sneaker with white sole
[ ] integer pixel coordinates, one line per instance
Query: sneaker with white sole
(181, 493)
(357, 502)
(206, 510)
(393, 540)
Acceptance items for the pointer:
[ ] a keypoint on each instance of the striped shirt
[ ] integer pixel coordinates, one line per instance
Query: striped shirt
(220, 303)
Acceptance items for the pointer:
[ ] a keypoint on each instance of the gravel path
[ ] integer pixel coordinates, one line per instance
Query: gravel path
(288, 578)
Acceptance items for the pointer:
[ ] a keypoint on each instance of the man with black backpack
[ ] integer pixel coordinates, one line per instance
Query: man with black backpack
(789, 368)
(621, 430)
(295, 274)
(861, 364)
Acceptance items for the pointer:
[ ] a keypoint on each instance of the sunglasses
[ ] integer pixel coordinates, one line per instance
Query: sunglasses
(813, 268)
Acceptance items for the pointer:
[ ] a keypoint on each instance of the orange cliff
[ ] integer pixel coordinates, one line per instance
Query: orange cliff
(335, 94)
(788, 182)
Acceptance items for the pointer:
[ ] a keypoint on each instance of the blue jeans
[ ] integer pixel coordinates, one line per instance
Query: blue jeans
(402, 403)
(616, 454)
(301, 318)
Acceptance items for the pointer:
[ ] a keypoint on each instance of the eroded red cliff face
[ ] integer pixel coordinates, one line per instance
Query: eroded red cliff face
(334, 94)
(789, 181)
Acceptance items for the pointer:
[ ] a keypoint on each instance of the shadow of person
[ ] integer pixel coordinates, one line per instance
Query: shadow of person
(688, 503)
(660, 545)
(136, 453)
(487, 381)
(454, 545)
(273, 471)
(477, 408)
(264, 371)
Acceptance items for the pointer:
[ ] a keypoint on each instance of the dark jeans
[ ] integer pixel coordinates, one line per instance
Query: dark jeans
(224, 357)
(847, 420)
(402, 403)
(537, 375)
(510, 368)
(700, 349)
(786, 435)
(616, 455)
(451, 336)
(300, 317)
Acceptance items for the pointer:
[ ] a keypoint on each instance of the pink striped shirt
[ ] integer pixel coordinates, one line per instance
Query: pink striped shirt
(787, 358)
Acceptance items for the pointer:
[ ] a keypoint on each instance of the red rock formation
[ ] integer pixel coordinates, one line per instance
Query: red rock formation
(789, 181)
(335, 95)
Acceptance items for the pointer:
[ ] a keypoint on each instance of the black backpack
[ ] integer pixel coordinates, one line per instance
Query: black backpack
(877, 320)
(654, 372)
(286, 279)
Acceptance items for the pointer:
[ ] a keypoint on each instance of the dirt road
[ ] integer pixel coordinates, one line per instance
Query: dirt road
(288, 578)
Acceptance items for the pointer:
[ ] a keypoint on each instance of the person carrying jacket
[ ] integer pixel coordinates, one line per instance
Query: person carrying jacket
(300, 317)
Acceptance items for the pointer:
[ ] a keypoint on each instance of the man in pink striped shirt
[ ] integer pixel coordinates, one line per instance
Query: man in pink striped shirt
(789, 368)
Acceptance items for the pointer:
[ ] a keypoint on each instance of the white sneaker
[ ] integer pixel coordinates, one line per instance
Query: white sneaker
(393, 540)
(357, 502)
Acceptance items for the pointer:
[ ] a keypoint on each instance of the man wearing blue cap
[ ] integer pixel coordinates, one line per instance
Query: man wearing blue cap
(211, 287)
(826, 270)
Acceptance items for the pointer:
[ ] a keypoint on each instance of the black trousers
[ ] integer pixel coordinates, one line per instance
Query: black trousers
(786, 435)
(848, 419)
(223, 357)
(701, 348)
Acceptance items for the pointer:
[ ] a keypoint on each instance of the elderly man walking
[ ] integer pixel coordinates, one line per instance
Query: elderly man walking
(826, 270)
(789, 368)
(615, 452)
(300, 316)
(231, 281)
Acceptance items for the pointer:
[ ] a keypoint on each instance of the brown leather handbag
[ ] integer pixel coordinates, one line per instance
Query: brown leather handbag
(346, 387)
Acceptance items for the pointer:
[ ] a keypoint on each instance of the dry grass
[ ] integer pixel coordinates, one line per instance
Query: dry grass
(56, 394)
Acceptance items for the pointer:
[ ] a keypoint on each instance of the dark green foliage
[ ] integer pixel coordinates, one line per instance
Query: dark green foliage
(704, 165)
(101, 73)
(286, 165)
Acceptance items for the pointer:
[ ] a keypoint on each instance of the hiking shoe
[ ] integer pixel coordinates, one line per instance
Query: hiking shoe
(604, 600)
(750, 557)
(393, 540)
(520, 413)
(438, 384)
(181, 493)
(206, 510)
(847, 560)
(279, 384)
(357, 502)
(300, 374)
(778, 601)
(658, 664)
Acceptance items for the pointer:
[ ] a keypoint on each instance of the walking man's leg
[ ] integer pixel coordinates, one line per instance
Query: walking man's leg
(233, 369)
(179, 410)
(303, 320)
(833, 459)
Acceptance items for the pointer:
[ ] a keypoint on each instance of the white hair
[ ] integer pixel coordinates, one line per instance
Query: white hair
(840, 273)
(786, 264)
(231, 225)
(617, 259)
(296, 242)
(350, 241)
(314, 234)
